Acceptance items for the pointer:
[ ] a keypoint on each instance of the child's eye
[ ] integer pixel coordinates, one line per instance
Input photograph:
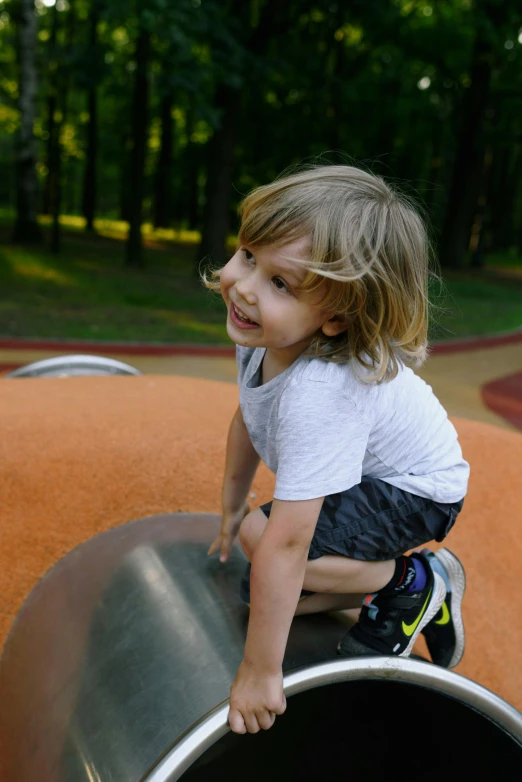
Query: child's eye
(247, 254)
(280, 284)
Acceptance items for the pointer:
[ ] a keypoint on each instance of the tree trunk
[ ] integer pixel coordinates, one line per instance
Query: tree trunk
(273, 19)
(52, 130)
(163, 201)
(469, 161)
(219, 179)
(26, 227)
(189, 164)
(337, 71)
(432, 194)
(193, 187)
(63, 82)
(134, 248)
(51, 141)
(519, 242)
(90, 173)
(477, 244)
(507, 173)
(56, 192)
(124, 183)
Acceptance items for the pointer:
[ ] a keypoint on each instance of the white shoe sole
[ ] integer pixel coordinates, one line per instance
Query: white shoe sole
(457, 579)
(437, 599)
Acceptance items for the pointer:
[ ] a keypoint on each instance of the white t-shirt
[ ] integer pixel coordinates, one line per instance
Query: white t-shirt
(319, 428)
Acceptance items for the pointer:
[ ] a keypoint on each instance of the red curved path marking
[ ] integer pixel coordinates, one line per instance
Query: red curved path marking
(143, 349)
(504, 397)
(124, 348)
(8, 367)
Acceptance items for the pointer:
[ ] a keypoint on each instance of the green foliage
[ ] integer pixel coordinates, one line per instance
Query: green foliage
(309, 77)
(382, 83)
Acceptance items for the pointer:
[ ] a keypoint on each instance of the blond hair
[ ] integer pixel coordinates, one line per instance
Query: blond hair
(369, 260)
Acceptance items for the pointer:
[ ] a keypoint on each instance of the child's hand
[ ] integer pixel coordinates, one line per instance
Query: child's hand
(230, 524)
(255, 699)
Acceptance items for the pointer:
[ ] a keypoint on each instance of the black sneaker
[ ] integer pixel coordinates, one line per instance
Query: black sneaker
(389, 624)
(445, 633)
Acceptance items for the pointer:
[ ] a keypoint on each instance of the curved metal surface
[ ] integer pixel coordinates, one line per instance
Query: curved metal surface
(214, 726)
(74, 366)
(119, 663)
(126, 643)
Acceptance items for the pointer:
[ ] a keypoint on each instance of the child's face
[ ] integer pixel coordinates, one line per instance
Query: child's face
(265, 308)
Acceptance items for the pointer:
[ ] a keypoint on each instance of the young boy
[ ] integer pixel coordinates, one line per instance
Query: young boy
(327, 303)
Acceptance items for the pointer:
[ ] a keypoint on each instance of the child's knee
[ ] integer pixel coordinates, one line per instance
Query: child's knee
(251, 530)
(252, 527)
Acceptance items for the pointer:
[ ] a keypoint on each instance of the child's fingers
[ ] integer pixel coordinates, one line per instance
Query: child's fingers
(225, 549)
(223, 542)
(265, 719)
(214, 545)
(250, 720)
(236, 721)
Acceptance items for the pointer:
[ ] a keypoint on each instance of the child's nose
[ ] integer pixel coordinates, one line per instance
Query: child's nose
(246, 291)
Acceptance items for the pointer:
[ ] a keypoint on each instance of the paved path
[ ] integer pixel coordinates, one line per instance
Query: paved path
(458, 379)
(456, 371)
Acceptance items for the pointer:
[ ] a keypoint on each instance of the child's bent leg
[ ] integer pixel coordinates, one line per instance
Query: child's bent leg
(402, 595)
(328, 574)
(315, 604)
(341, 575)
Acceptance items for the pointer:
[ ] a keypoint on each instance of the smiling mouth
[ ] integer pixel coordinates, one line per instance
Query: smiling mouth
(243, 318)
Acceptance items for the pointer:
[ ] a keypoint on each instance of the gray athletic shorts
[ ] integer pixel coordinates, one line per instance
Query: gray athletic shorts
(375, 521)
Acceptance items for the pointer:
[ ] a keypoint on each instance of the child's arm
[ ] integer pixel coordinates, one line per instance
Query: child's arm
(278, 568)
(240, 467)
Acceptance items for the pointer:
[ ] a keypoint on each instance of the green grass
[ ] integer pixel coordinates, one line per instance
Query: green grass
(87, 293)
(476, 303)
(509, 260)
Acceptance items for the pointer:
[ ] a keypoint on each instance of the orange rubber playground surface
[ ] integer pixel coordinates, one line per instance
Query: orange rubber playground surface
(83, 454)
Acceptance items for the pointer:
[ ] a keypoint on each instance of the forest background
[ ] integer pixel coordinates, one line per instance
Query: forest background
(129, 131)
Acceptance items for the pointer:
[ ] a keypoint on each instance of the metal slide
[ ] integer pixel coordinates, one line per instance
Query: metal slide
(74, 366)
(118, 667)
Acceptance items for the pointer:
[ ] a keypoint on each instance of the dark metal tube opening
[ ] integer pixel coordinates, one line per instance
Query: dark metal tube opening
(376, 731)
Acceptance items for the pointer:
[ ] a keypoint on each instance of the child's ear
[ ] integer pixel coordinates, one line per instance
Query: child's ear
(335, 325)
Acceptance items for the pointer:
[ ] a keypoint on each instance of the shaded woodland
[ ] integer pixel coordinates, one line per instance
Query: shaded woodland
(168, 112)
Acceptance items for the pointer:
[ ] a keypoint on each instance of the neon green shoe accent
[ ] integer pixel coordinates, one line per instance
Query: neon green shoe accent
(408, 630)
(445, 615)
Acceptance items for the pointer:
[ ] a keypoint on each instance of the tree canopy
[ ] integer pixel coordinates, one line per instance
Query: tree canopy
(170, 112)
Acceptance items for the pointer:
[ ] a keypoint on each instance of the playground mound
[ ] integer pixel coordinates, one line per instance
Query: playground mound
(82, 455)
